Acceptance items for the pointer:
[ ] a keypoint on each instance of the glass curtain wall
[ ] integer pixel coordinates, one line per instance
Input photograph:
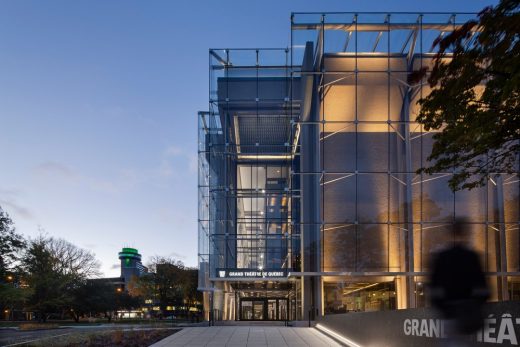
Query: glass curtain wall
(330, 150)
(262, 216)
(245, 156)
(379, 219)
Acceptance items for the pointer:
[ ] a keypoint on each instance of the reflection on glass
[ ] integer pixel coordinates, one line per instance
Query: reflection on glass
(282, 309)
(271, 309)
(342, 297)
(514, 288)
(247, 310)
(262, 216)
(258, 310)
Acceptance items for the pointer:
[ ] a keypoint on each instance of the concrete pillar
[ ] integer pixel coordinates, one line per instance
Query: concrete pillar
(409, 265)
(503, 293)
(310, 219)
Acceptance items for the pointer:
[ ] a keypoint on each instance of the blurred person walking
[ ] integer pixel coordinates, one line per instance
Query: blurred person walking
(458, 288)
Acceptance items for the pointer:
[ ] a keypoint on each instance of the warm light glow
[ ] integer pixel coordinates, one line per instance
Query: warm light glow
(348, 292)
(265, 157)
(343, 339)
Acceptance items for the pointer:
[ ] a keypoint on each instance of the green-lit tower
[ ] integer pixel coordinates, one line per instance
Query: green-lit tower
(131, 264)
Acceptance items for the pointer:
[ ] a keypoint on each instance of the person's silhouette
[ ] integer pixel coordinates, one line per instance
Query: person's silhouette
(457, 286)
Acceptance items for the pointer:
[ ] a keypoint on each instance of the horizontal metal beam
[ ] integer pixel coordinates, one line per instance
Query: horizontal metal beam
(264, 157)
(377, 26)
(293, 275)
(250, 279)
(396, 273)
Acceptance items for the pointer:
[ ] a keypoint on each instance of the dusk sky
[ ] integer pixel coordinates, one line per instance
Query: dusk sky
(98, 105)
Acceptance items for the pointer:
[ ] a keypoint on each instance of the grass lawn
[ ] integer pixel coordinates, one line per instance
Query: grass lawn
(54, 323)
(37, 326)
(8, 324)
(119, 338)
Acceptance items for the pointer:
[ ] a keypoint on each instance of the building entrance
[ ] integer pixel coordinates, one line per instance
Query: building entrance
(263, 309)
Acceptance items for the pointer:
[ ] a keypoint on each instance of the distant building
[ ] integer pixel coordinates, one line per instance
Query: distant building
(131, 265)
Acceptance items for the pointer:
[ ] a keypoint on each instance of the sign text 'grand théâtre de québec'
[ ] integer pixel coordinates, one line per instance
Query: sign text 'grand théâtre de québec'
(247, 273)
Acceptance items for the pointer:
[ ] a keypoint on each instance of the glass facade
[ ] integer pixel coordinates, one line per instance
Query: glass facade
(246, 238)
(307, 175)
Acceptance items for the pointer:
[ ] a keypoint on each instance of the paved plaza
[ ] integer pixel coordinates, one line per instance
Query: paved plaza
(247, 336)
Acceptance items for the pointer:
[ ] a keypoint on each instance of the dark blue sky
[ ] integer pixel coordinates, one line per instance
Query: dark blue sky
(98, 104)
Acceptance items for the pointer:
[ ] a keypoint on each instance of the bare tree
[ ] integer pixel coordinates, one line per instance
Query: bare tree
(53, 269)
(71, 260)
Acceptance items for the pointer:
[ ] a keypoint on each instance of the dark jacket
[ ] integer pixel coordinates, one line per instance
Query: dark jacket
(458, 286)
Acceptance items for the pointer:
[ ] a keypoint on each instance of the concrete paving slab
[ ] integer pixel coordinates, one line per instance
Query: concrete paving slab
(255, 336)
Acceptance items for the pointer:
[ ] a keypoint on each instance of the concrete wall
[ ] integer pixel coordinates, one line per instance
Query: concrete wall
(423, 327)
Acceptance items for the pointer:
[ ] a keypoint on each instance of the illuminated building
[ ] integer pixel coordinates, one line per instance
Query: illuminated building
(309, 199)
(131, 265)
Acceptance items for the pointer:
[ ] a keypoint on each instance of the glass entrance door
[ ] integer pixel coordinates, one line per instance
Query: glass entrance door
(258, 310)
(271, 309)
(246, 312)
(253, 309)
(264, 309)
(283, 309)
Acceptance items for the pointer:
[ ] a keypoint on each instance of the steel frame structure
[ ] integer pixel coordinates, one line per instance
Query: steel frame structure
(359, 212)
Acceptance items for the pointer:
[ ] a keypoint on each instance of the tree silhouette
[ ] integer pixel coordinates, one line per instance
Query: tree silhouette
(475, 100)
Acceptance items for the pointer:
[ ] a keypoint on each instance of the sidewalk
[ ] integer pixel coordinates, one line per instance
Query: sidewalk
(247, 336)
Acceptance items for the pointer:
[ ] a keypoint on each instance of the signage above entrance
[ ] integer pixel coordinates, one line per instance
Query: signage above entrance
(249, 273)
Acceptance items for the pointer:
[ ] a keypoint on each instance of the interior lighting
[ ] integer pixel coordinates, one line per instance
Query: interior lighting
(265, 157)
(347, 292)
